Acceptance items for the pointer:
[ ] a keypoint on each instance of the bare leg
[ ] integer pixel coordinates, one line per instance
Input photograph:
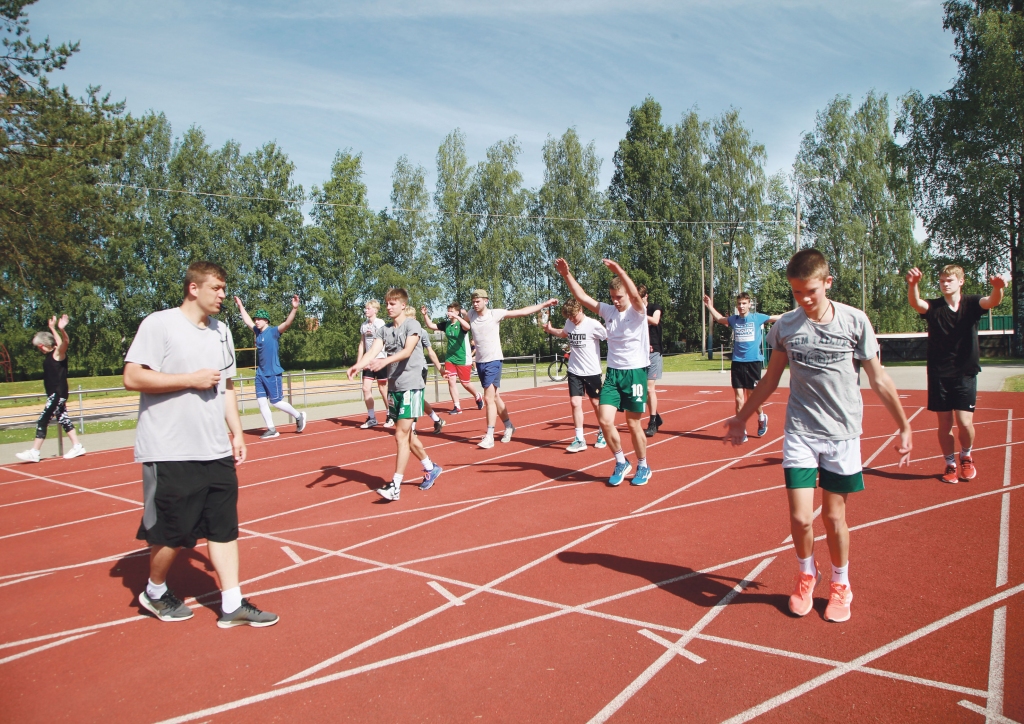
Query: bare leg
(160, 560)
(453, 390)
(490, 405)
(382, 387)
(577, 411)
(741, 398)
(224, 557)
(637, 433)
(368, 395)
(499, 406)
(945, 432)
(403, 431)
(652, 397)
(472, 390)
(801, 520)
(964, 426)
(606, 418)
(417, 448)
(833, 515)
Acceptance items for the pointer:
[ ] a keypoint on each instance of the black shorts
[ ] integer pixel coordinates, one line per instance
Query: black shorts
(952, 393)
(381, 374)
(589, 385)
(745, 375)
(185, 500)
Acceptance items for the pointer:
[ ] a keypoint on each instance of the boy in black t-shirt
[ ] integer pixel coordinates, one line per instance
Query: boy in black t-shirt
(654, 372)
(953, 356)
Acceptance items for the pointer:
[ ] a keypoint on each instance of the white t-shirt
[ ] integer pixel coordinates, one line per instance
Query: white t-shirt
(369, 332)
(629, 342)
(485, 334)
(188, 424)
(585, 346)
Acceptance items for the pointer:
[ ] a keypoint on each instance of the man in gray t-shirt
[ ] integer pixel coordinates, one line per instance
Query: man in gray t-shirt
(181, 362)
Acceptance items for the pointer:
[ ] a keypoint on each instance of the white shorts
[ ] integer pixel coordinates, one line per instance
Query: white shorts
(837, 456)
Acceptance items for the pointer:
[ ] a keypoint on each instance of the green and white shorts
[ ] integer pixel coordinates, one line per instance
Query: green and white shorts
(625, 389)
(407, 405)
(834, 464)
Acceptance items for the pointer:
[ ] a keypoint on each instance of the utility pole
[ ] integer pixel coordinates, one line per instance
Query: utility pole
(703, 313)
(796, 235)
(711, 285)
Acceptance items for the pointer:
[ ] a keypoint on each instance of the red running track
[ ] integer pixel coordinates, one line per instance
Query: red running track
(522, 588)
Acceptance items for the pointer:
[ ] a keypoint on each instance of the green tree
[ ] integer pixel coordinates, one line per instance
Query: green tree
(455, 241)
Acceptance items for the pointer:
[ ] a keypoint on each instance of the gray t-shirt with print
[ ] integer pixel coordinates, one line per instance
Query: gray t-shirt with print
(188, 424)
(824, 378)
(406, 374)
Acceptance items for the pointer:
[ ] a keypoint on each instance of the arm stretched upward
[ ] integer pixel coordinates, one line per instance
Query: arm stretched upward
(588, 302)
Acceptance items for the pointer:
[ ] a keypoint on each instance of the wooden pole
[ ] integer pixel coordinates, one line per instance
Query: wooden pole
(711, 284)
(703, 313)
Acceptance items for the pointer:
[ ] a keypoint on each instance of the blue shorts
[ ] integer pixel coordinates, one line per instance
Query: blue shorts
(490, 373)
(271, 387)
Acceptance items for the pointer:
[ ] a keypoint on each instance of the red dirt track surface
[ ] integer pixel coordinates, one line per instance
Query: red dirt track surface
(522, 588)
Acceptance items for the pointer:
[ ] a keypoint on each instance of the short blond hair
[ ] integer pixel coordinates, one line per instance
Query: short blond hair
(807, 264)
(397, 293)
(372, 304)
(615, 283)
(571, 307)
(952, 270)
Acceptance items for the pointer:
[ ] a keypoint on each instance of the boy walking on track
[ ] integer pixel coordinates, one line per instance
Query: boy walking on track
(457, 368)
(55, 384)
(654, 371)
(404, 361)
(182, 361)
(625, 384)
(269, 382)
(747, 357)
(367, 333)
(822, 342)
(953, 360)
(484, 324)
(584, 335)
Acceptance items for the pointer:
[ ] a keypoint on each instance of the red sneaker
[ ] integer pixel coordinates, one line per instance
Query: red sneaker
(838, 609)
(967, 469)
(950, 475)
(801, 602)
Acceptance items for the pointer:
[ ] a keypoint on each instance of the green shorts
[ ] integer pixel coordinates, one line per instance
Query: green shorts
(625, 389)
(406, 405)
(832, 482)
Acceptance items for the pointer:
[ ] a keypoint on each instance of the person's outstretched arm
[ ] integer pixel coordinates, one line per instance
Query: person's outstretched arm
(365, 358)
(914, 293)
(283, 326)
(435, 361)
(655, 318)
(992, 300)
(554, 331)
(735, 427)
(427, 321)
(717, 316)
(885, 388)
(532, 309)
(245, 315)
(405, 353)
(634, 296)
(588, 302)
(60, 336)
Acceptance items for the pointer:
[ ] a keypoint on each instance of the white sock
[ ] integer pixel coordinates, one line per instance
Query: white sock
(490, 431)
(434, 417)
(642, 462)
(427, 465)
(264, 404)
(841, 575)
(397, 479)
(154, 590)
(620, 457)
(579, 433)
(285, 407)
(807, 564)
(762, 416)
(965, 453)
(230, 599)
(951, 459)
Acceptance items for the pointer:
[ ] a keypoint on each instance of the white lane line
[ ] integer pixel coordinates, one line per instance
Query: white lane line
(96, 561)
(996, 662)
(888, 440)
(1003, 561)
(989, 716)
(817, 512)
(821, 680)
(626, 694)
(22, 580)
(51, 645)
(455, 600)
(78, 487)
(672, 646)
(70, 522)
(292, 554)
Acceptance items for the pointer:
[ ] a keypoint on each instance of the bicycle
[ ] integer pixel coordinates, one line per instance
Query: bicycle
(558, 370)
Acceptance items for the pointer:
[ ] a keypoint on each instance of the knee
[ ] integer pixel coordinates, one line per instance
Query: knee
(834, 519)
(801, 520)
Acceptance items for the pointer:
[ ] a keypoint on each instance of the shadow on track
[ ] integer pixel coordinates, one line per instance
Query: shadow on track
(191, 574)
(345, 475)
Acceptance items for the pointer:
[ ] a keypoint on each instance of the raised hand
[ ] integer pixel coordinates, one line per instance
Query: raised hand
(562, 266)
(52, 322)
(613, 266)
(295, 301)
(998, 281)
(707, 302)
(914, 276)
(551, 302)
(63, 321)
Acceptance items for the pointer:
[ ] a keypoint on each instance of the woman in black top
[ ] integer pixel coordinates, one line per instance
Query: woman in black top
(55, 383)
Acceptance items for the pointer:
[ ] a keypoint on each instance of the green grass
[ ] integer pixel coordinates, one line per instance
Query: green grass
(1014, 384)
(36, 386)
(693, 362)
(27, 434)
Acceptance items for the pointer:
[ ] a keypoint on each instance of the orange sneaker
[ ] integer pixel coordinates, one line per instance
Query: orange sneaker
(950, 475)
(801, 602)
(838, 609)
(967, 469)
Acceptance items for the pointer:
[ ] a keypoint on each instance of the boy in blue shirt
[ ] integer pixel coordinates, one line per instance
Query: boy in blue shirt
(268, 366)
(747, 357)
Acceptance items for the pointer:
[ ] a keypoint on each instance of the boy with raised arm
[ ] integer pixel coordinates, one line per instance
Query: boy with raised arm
(400, 340)
(484, 324)
(269, 382)
(747, 357)
(953, 357)
(625, 383)
(584, 334)
(824, 343)
(367, 333)
(457, 367)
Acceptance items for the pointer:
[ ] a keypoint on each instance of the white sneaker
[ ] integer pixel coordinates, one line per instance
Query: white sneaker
(300, 422)
(507, 435)
(370, 422)
(32, 455)
(74, 452)
(487, 442)
(389, 423)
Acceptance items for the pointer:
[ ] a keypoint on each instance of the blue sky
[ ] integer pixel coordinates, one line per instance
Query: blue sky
(394, 77)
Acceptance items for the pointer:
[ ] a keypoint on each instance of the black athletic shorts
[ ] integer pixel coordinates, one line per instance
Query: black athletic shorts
(589, 385)
(952, 393)
(381, 374)
(185, 500)
(745, 375)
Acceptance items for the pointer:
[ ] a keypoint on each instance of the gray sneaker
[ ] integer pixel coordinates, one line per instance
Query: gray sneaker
(507, 435)
(247, 615)
(272, 432)
(300, 422)
(166, 608)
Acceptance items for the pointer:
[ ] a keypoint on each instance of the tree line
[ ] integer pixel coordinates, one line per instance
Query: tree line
(101, 211)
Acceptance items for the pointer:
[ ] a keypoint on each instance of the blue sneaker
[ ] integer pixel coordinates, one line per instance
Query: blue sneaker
(643, 474)
(429, 478)
(479, 403)
(762, 425)
(619, 474)
(600, 441)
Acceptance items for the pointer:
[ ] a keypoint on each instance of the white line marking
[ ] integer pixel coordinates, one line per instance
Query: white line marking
(37, 649)
(817, 512)
(292, 554)
(996, 659)
(672, 646)
(455, 600)
(1003, 561)
(626, 694)
(79, 488)
(70, 522)
(989, 716)
(105, 559)
(888, 440)
(22, 580)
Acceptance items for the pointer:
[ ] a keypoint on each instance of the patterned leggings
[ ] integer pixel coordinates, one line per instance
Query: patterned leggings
(55, 408)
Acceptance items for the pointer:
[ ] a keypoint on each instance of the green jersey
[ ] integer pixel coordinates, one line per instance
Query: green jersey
(458, 344)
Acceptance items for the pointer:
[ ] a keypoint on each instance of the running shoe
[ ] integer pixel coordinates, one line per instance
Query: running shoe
(950, 475)
(479, 403)
(455, 411)
(762, 425)
(438, 425)
(272, 432)
(430, 477)
(300, 422)
(389, 423)
(247, 615)
(507, 435)
(370, 422)
(659, 420)
(802, 600)
(391, 491)
(166, 608)
(600, 443)
(643, 474)
(74, 452)
(29, 456)
(576, 445)
(967, 469)
(838, 608)
(745, 438)
(487, 442)
(619, 474)
(652, 427)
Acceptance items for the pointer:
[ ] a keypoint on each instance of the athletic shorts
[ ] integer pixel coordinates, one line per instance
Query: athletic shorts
(625, 389)
(184, 500)
(952, 393)
(462, 372)
(745, 375)
(270, 387)
(407, 405)
(490, 373)
(381, 374)
(834, 464)
(589, 385)
(654, 370)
